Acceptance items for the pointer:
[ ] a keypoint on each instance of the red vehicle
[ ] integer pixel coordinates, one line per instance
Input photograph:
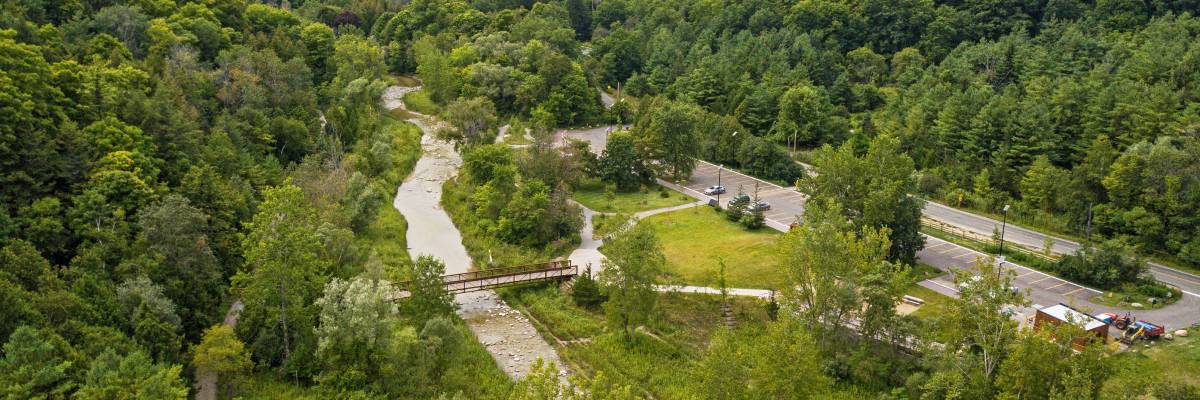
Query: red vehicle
(1117, 321)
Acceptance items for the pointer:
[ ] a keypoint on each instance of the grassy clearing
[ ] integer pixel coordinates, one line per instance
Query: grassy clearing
(271, 386)
(935, 303)
(419, 101)
(386, 237)
(647, 199)
(1173, 361)
(693, 239)
(658, 366)
(604, 225)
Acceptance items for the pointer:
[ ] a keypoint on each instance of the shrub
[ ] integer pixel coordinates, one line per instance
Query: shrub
(586, 292)
(1155, 290)
(1107, 265)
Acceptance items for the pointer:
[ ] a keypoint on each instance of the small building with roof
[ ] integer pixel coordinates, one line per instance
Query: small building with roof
(1062, 314)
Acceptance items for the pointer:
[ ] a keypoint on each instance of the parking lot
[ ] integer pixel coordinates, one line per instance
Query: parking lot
(786, 203)
(1039, 287)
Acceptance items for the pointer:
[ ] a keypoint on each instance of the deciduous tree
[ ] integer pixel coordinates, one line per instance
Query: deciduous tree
(631, 269)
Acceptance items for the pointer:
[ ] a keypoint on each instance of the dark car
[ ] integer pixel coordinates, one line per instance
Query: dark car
(761, 206)
(741, 197)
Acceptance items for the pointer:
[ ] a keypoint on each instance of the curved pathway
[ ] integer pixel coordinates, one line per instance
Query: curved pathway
(510, 338)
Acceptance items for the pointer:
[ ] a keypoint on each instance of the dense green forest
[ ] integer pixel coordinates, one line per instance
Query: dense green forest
(162, 159)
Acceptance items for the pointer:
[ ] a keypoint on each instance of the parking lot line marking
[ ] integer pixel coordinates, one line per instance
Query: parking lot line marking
(937, 246)
(1039, 280)
(964, 255)
(1026, 274)
(947, 250)
(1059, 284)
(1072, 292)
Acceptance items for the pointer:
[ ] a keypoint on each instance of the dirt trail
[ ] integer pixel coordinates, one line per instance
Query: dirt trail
(206, 381)
(511, 338)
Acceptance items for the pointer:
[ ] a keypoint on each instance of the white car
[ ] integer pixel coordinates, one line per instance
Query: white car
(714, 190)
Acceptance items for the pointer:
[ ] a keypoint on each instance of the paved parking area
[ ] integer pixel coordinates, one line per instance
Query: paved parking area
(786, 203)
(1038, 286)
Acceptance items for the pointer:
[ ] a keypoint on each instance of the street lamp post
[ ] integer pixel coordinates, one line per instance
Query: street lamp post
(719, 169)
(1003, 225)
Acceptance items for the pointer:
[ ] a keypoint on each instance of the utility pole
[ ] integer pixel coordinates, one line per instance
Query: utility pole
(1087, 235)
(1003, 225)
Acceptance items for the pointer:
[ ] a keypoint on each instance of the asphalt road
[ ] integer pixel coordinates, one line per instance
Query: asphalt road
(1186, 282)
(1042, 289)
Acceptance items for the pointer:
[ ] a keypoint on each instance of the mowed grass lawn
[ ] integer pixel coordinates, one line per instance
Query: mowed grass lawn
(632, 202)
(694, 238)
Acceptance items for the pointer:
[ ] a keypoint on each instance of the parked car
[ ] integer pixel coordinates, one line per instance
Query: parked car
(741, 197)
(760, 206)
(714, 190)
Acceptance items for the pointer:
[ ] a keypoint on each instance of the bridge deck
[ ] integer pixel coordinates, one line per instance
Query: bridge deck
(509, 276)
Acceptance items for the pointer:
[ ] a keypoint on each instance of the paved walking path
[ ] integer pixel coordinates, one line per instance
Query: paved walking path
(509, 337)
(588, 254)
(759, 293)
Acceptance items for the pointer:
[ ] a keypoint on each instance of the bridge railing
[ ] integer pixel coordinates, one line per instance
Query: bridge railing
(506, 271)
(496, 277)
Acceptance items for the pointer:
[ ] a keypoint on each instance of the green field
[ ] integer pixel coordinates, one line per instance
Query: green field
(632, 202)
(693, 239)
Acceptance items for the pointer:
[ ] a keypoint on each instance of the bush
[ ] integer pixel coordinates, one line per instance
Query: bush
(1155, 290)
(753, 220)
(586, 292)
(1107, 265)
